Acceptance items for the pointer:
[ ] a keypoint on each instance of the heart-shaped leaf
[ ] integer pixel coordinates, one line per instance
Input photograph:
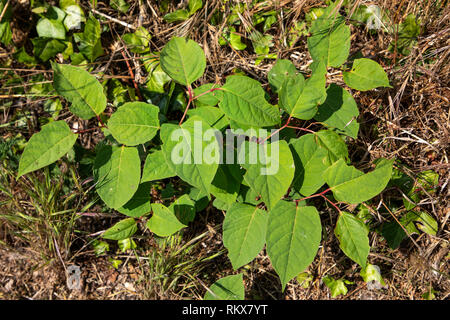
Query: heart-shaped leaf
(163, 221)
(366, 75)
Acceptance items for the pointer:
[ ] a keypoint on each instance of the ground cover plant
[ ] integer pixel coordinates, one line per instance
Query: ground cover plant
(273, 156)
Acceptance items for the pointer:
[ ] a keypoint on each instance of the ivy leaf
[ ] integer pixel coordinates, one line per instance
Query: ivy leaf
(310, 162)
(117, 171)
(281, 70)
(134, 123)
(139, 204)
(334, 144)
(89, 41)
(187, 161)
(330, 40)
(183, 60)
(353, 186)
(339, 111)
(45, 147)
(80, 88)
(353, 238)
(156, 167)
(227, 288)
(213, 116)
(244, 233)
(163, 221)
(48, 28)
(366, 75)
(243, 101)
(184, 209)
(301, 99)
(121, 230)
(273, 172)
(293, 238)
(45, 49)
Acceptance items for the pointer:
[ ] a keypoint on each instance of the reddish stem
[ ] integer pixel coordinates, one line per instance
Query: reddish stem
(302, 129)
(314, 195)
(90, 129)
(206, 92)
(130, 71)
(191, 97)
(275, 132)
(332, 203)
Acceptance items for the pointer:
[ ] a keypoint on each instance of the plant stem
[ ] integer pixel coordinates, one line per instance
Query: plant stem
(191, 97)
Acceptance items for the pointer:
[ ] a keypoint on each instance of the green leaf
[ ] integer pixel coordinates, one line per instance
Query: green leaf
(163, 221)
(117, 171)
(227, 288)
(139, 204)
(337, 287)
(183, 60)
(273, 172)
(176, 16)
(334, 144)
(191, 163)
(213, 116)
(353, 186)
(45, 147)
(301, 99)
(100, 247)
(80, 88)
(121, 230)
(74, 18)
(184, 209)
(236, 40)
(226, 183)
(330, 40)
(194, 6)
(372, 273)
(45, 49)
(310, 162)
(134, 123)
(244, 233)
(119, 5)
(156, 167)
(48, 28)
(281, 70)
(138, 41)
(126, 244)
(339, 111)
(366, 75)
(293, 238)
(353, 238)
(89, 41)
(210, 99)
(244, 101)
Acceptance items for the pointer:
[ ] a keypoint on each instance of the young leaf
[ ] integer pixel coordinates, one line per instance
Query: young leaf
(210, 99)
(48, 28)
(310, 162)
(293, 238)
(337, 287)
(353, 238)
(121, 230)
(45, 147)
(89, 41)
(272, 175)
(134, 123)
(372, 273)
(334, 144)
(194, 6)
(177, 15)
(183, 60)
(163, 221)
(353, 186)
(156, 167)
(227, 288)
(339, 111)
(281, 70)
(366, 75)
(244, 233)
(117, 172)
(139, 204)
(80, 88)
(74, 17)
(184, 209)
(194, 165)
(243, 101)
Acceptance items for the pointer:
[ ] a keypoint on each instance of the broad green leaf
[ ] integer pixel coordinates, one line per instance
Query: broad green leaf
(74, 17)
(330, 40)
(80, 88)
(236, 40)
(353, 186)
(138, 41)
(244, 101)
(281, 70)
(89, 41)
(227, 288)
(45, 49)
(273, 171)
(293, 238)
(207, 99)
(213, 116)
(134, 123)
(48, 28)
(117, 172)
(183, 60)
(310, 162)
(337, 287)
(45, 147)
(177, 15)
(139, 204)
(156, 167)
(244, 233)
(194, 6)
(163, 221)
(339, 111)
(226, 183)
(366, 75)
(121, 230)
(334, 144)
(301, 98)
(184, 209)
(193, 158)
(353, 237)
